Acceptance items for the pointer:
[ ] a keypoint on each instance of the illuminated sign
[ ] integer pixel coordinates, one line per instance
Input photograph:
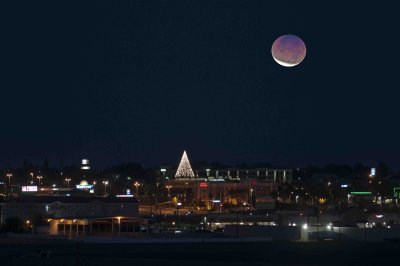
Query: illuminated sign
(84, 187)
(344, 185)
(124, 196)
(29, 189)
(203, 184)
(216, 180)
(85, 164)
(361, 193)
(396, 191)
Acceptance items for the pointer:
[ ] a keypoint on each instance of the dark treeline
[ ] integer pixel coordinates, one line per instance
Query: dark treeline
(357, 171)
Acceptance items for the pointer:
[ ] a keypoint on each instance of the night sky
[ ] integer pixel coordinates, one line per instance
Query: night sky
(148, 79)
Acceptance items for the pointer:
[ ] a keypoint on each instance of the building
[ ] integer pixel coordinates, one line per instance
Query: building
(215, 188)
(217, 195)
(185, 172)
(76, 215)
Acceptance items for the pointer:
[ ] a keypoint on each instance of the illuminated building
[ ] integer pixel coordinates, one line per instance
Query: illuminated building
(76, 215)
(230, 187)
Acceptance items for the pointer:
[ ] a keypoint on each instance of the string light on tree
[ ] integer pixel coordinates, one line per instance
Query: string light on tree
(184, 168)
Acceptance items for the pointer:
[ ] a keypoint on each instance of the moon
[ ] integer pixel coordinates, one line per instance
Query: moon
(288, 50)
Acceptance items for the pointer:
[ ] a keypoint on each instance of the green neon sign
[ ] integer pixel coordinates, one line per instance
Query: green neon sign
(361, 193)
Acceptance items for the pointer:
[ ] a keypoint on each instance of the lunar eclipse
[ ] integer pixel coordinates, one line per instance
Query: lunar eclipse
(288, 50)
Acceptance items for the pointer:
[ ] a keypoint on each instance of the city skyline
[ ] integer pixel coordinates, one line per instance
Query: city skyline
(185, 132)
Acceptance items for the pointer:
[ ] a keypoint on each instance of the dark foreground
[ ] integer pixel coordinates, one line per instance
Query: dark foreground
(256, 253)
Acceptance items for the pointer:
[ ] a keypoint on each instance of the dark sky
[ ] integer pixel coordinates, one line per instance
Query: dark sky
(147, 79)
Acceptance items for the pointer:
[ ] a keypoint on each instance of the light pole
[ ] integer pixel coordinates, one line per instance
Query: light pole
(40, 179)
(169, 195)
(163, 171)
(105, 187)
(251, 199)
(32, 178)
(9, 175)
(119, 226)
(68, 180)
(137, 184)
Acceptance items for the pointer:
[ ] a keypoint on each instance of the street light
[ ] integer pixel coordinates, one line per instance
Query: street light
(68, 180)
(169, 195)
(137, 184)
(163, 171)
(105, 187)
(32, 177)
(9, 175)
(119, 225)
(40, 179)
(251, 199)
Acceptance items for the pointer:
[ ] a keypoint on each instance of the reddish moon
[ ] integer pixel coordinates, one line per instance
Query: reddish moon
(288, 50)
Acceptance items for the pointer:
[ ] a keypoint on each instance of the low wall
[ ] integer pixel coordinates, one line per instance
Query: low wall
(275, 232)
(366, 234)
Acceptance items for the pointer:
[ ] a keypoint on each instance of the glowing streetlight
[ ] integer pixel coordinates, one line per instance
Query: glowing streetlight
(40, 179)
(169, 195)
(32, 177)
(9, 175)
(68, 180)
(105, 186)
(137, 184)
(251, 198)
(119, 225)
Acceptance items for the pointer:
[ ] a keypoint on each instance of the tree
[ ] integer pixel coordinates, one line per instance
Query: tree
(184, 169)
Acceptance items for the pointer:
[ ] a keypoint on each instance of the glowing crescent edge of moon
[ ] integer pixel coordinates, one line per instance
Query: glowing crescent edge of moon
(284, 63)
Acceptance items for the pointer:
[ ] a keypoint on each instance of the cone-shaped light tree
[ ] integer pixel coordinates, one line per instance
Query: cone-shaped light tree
(184, 169)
